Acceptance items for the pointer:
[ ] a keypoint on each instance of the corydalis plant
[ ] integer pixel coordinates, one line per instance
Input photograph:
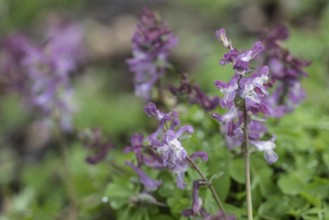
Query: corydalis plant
(40, 74)
(165, 141)
(245, 95)
(151, 44)
(286, 72)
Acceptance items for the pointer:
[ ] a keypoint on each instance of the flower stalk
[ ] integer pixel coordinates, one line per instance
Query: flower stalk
(209, 184)
(246, 154)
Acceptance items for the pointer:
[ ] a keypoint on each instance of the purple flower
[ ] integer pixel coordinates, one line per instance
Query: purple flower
(149, 184)
(151, 42)
(196, 208)
(240, 60)
(144, 155)
(253, 88)
(246, 95)
(65, 47)
(172, 152)
(165, 141)
(12, 51)
(268, 148)
(221, 35)
(40, 74)
(136, 147)
(286, 72)
(229, 90)
(199, 154)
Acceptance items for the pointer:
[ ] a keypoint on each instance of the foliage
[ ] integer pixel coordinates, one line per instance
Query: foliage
(295, 187)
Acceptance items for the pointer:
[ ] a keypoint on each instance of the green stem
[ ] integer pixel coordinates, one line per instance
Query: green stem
(66, 176)
(246, 154)
(209, 184)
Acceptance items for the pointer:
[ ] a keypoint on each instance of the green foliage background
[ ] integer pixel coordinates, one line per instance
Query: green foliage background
(295, 187)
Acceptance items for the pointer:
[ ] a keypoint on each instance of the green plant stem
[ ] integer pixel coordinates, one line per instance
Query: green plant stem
(246, 154)
(209, 184)
(66, 176)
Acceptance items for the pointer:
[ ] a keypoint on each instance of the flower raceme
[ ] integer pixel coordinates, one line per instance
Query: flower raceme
(41, 73)
(165, 141)
(286, 72)
(246, 91)
(151, 44)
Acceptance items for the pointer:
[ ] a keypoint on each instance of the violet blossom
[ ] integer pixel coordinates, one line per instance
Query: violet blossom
(41, 73)
(196, 208)
(148, 183)
(151, 44)
(240, 60)
(286, 73)
(245, 95)
(165, 141)
(144, 155)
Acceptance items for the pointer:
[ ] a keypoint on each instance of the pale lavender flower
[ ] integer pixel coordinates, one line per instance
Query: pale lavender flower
(240, 60)
(136, 147)
(144, 155)
(148, 183)
(245, 92)
(196, 208)
(151, 42)
(41, 74)
(165, 141)
(12, 51)
(268, 148)
(65, 47)
(286, 73)
(229, 91)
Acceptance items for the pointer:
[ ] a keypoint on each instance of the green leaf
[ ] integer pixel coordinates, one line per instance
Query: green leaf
(290, 184)
(236, 170)
(178, 204)
(119, 191)
(276, 207)
(325, 158)
(136, 213)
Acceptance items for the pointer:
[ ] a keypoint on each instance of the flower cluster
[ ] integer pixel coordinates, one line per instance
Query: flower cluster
(245, 95)
(286, 72)
(151, 44)
(40, 74)
(195, 94)
(165, 141)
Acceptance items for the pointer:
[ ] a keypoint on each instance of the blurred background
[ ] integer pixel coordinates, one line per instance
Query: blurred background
(31, 163)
